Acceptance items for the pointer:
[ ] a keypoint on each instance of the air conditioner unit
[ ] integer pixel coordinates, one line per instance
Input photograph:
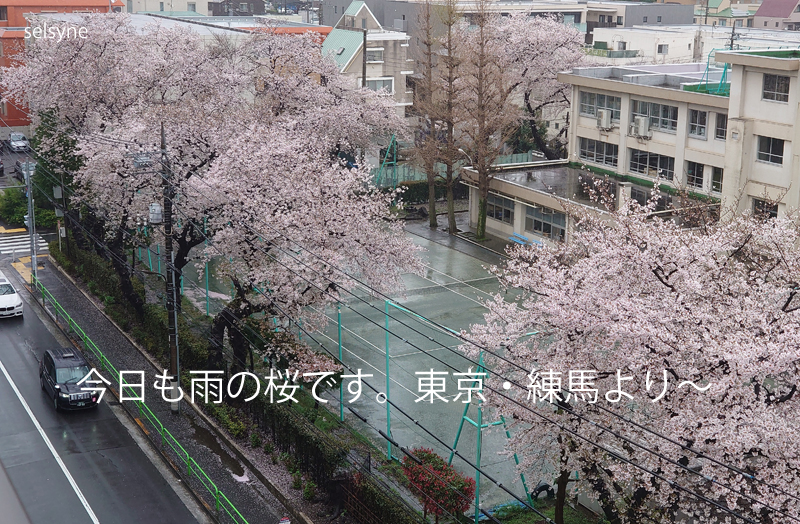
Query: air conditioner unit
(604, 118)
(641, 126)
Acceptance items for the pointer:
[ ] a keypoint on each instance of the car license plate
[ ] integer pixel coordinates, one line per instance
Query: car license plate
(81, 404)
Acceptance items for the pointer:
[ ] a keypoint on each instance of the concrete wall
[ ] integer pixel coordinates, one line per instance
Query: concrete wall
(669, 13)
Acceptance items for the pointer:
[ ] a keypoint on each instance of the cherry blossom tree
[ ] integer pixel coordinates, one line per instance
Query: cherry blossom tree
(647, 306)
(503, 60)
(254, 133)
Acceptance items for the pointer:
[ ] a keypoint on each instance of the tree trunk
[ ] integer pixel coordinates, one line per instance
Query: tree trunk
(483, 194)
(432, 196)
(561, 496)
(451, 208)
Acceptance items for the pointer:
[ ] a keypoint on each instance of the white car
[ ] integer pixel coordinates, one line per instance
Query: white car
(10, 301)
(17, 142)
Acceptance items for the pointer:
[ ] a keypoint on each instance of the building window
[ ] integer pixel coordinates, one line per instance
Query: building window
(500, 208)
(765, 23)
(694, 175)
(716, 180)
(591, 102)
(764, 208)
(243, 8)
(663, 49)
(662, 117)
(4, 13)
(374, 55)
(776, 24)
(776, 88)
(697, 123)
(161, 6)
(644, 19)
(622, 46)
(363, 23)
(652, 164)
(335, 9)
(598, 152)
(3, 108)
(750, 22)
(721, 129)
(737, 23)
(381, 83)
(602, 19)
(555, 125)
(1, 48)
(770, 150)
(658, 19)
(546, 222)
(723, 23)
(643, 196)
(191, 6)
(619, 20)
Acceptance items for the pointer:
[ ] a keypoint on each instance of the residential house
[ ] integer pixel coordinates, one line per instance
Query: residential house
(779, 14)
(725, 13)
(585, 16)
(385, 58)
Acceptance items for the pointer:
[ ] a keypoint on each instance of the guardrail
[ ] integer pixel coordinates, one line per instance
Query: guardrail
(222, 505)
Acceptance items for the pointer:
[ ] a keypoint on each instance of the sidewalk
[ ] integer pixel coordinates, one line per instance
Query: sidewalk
(491, 250)
(252, 499)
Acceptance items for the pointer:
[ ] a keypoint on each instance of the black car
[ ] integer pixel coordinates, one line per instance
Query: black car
(59, 373)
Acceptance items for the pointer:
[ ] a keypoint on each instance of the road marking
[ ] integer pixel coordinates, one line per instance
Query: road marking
(60, 462)
(18, 230)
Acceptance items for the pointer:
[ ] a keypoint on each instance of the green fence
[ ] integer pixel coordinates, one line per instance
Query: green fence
(169, 444)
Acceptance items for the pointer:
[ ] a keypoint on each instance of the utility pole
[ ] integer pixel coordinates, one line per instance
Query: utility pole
(31, 220)
(169, 194)
(705, 20)
(733, 36)
(364, 61)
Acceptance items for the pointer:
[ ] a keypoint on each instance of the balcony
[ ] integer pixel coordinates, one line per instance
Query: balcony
(608, 53)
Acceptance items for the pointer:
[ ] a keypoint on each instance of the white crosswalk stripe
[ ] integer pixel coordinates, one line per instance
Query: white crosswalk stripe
(20, 244)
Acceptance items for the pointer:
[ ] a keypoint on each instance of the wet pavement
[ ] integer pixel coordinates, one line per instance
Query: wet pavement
(451, 294)
(251, 498)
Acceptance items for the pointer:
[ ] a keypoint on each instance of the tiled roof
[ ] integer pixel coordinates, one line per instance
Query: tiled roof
(354, 8)
(342, 45)
(777, 8)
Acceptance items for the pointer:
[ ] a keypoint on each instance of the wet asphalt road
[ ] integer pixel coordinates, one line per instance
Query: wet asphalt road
(117, 480)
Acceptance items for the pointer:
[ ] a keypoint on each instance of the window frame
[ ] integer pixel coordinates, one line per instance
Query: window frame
(662, 49)
(506, 206)
(768, 154)
(588, 150)
(695, 174)
(191, 6)
(762, 207)
(775, 92)
(3, 13)
(663, 163)
(698, 123)
(716, 181)
(718, 128)
(658, 121)
(381, 79)
(375, 50)
(590, 100)
(552, 224)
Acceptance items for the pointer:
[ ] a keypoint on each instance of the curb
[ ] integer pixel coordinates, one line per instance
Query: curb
(283, 499)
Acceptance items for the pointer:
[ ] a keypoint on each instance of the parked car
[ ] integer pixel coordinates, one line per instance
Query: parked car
(10, 301)
(19, 168)
(60, 370)
(18, 143)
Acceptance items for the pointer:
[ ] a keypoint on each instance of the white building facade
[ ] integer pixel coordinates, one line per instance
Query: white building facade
(729, 137)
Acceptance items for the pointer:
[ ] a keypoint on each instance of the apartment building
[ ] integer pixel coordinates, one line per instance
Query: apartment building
(385, 59)
(726, 133)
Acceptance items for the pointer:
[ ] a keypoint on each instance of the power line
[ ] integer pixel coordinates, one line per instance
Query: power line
(646, 449)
